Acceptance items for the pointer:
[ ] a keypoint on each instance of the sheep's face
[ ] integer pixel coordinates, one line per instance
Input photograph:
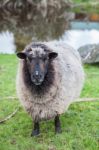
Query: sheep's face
(37, 62)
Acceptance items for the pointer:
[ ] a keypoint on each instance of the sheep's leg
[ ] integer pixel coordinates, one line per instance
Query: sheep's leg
(36, 130)
(57, 125)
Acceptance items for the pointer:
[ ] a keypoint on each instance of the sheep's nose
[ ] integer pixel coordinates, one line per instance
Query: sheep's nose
(37, 75)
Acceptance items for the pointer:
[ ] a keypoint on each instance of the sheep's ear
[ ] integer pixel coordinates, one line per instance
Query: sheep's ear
(53, 55)
(21, 55)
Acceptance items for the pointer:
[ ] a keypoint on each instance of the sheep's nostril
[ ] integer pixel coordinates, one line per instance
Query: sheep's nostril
(33, 76)
(40, 76)
(37, 77)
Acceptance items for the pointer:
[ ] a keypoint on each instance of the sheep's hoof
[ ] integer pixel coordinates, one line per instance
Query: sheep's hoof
(35, 133)
(58, 130)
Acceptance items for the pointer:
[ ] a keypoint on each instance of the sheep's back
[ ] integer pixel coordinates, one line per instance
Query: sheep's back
(71, 70)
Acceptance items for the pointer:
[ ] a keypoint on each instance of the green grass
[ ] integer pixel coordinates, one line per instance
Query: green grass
(79, 123)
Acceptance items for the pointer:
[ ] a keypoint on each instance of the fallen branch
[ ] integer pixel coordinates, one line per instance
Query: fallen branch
(9, 97)
(93, 74)
(86, 99)
(79, 99)
(8, 117)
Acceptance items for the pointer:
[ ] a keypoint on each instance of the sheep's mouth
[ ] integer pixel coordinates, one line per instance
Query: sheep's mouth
(37, 82)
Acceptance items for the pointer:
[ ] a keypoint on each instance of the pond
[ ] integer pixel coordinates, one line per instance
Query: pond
(74, 29)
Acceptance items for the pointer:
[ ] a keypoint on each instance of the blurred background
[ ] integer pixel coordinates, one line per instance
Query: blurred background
(75, 22)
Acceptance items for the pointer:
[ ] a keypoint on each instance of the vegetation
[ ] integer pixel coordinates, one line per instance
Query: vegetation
(86, 6)
(79, 123)
(82, 1)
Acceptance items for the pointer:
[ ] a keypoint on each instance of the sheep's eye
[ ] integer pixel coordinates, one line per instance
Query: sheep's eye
(29, 50)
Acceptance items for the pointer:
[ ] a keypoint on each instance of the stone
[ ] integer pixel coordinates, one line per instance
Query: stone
(89, 53)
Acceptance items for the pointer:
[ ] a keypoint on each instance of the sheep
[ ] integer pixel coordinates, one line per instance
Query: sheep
(50, 77)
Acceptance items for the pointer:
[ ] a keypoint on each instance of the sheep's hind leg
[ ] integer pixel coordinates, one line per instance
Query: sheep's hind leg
(36, 130)
(57, 125)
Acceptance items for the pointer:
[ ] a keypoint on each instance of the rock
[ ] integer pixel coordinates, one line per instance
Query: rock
(89, 53)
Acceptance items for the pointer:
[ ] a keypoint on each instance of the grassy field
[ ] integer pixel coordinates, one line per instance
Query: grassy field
(79, 123)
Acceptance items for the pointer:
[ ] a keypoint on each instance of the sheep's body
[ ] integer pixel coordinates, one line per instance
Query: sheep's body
(68, 82)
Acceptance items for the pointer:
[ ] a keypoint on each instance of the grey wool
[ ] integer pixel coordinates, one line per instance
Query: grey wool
(66, 87)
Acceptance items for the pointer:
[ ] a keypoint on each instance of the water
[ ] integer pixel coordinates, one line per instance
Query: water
(84, 25)
(7, 42)
(78, 38)
(75, 38)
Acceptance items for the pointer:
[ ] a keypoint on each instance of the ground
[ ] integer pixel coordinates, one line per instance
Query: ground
(79, 123)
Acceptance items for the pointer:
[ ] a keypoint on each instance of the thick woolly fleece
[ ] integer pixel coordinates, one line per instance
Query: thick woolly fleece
(66, 88)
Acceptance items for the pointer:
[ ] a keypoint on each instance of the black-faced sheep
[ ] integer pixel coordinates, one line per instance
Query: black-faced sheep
(50, 77)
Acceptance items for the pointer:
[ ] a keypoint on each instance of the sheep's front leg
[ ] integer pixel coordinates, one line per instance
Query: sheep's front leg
(36, 130)
(57, 125)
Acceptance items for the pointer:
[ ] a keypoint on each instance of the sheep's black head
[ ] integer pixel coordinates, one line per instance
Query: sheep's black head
(38, 60)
